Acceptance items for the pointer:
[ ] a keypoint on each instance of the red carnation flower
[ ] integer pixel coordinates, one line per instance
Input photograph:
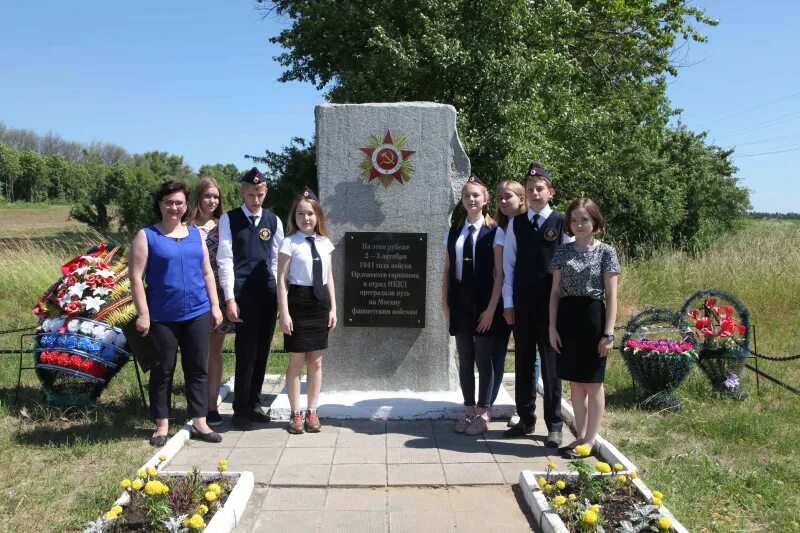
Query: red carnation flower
(694, 314)
(742, 329)
(710, 302)
(728, 309)
(63, 359)
(75, 361)
(702, 322)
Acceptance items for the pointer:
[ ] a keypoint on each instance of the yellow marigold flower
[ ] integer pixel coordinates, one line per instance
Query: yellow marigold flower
(117, 509)
(633, 475)
(141, 473)
(136, 484)
(603, 468)
(162, 457)
(548, 487)
(559, 501)
(551, 465)
(110, 515)
(618, 467)
(196, 522)
(125, 483)
(223, 465)
(664, 523)
(560, 484)
(202, 509)
(164, 488)
(153, 488)
(657, 494)
(151, 471)
(589, 517)
(571, 497)
(623, 478)
(211, 495)
(216, 488)
(583, 450)
(542, 482)
(594, 508)
(657, 502)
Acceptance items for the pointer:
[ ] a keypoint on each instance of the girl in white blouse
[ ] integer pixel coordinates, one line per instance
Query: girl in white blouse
(308, 308)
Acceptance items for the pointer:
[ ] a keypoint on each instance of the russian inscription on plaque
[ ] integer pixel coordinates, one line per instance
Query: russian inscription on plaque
(385, 279)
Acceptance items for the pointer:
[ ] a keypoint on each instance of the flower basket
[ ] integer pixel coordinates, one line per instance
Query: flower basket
(721, 326)
(657, 363)
(79, 347)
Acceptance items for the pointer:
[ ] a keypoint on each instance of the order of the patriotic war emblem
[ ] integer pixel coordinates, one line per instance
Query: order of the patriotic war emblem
(387, 160)
(550, 234)
(265, 234)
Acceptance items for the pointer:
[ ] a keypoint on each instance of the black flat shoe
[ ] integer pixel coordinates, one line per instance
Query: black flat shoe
(158, 440)
(519, 430)
(211, 436)
(259, 415)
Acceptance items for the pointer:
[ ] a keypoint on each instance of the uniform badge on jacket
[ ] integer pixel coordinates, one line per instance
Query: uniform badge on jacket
(550, 234)
(265, 234)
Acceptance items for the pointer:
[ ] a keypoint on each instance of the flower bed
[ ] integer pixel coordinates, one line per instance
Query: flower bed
(609, 500)
(178, 501)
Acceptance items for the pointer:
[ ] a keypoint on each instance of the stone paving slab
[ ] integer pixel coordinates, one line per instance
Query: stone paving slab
(357, 475)
(473, 474)
(359, 456)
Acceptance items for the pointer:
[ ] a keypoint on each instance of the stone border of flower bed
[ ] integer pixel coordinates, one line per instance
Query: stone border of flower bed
(547, 518)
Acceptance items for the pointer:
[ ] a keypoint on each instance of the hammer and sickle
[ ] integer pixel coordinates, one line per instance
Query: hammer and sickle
(387, 158)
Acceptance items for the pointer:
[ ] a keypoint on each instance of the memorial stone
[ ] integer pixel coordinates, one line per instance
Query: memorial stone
(389, 179)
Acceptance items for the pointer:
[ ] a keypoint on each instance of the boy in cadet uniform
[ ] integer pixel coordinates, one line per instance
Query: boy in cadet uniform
(531, 241)
(249, 239)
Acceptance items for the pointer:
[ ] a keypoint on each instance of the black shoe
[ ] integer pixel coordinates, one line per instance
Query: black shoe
(242, 422)
(553, 439)
(259, 415)
(213, 418)
(518, 430)
(211, 436)
(158, 440)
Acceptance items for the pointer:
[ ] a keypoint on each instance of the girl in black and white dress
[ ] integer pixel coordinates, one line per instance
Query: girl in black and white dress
(308, 309)
(583, 310)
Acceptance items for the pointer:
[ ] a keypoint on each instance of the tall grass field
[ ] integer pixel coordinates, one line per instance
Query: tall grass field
(722, 465)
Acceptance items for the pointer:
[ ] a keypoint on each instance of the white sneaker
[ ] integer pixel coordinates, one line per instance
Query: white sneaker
(514, 420)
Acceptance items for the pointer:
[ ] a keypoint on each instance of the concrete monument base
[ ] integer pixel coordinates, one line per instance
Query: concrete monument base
(391, 405)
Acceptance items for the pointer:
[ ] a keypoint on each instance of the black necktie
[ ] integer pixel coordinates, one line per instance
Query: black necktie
(252, 219)
(468, 265)
(536, 221)
(316, 270)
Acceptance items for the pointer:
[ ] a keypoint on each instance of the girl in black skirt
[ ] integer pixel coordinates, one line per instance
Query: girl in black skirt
(583, 310)
(308, 310)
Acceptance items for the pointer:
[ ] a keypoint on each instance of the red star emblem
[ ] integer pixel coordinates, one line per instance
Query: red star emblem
(387, 160)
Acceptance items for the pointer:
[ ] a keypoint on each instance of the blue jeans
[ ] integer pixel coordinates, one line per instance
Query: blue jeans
(499, 349)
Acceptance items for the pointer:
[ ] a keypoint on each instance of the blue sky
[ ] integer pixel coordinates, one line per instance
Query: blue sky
(198, 79)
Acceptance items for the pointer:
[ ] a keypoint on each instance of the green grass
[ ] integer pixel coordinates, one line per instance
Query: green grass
(723, 466)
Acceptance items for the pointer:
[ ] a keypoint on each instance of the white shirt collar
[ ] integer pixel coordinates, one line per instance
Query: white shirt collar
(250, 213)
(544, 213)
(478, 224)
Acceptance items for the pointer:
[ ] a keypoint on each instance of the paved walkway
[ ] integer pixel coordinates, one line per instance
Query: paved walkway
(363, 475)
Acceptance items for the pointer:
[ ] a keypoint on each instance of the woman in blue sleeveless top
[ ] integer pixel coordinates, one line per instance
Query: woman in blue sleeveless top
(178, 307)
